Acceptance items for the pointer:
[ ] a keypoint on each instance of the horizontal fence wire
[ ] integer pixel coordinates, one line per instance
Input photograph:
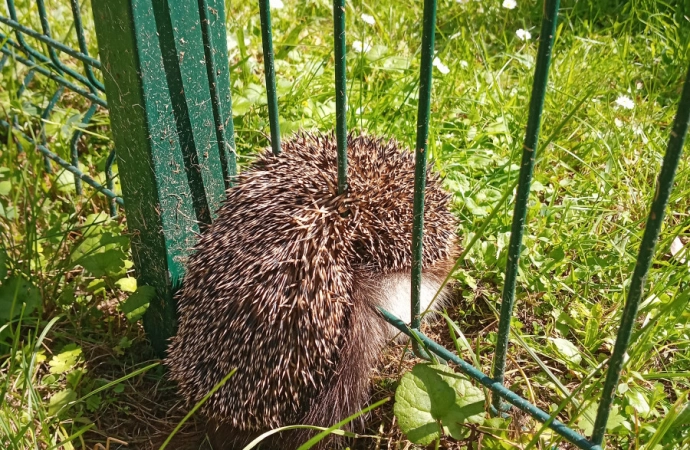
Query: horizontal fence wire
(536, 107)
(644, 259)
(85, 84)
(495, 386)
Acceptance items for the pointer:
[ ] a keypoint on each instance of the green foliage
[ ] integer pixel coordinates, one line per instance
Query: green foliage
(62, 258)
(432, 401)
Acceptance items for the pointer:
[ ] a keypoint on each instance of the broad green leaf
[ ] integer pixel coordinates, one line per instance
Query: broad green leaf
(65, 361)
(127, 284)
(433, 396)
(593, 328)
(567, 349)
(14, 292)
(136, 304)
(638, 401)
(60, 399)
(110, 262)
(5, 187)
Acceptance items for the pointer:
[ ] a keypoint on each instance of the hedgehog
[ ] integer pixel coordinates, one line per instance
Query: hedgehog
(285, 284)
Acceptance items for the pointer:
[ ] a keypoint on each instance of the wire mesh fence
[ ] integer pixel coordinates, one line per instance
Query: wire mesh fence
(27, 39)
(184, 181)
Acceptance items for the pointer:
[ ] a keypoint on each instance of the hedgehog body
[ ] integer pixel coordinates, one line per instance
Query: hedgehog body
(285, 283)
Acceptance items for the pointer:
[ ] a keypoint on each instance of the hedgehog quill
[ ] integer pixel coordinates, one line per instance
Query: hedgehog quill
(285, 283)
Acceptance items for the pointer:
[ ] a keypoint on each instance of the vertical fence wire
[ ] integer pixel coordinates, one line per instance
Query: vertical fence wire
(74, 142)
(79, 28)
(421, 146)
(110, 182)
(44, 117)
(644, 258)
(340, 92)
(541, 73)
(269, 68)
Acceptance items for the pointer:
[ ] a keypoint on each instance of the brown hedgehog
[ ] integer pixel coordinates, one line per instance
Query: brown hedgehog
(285, 283)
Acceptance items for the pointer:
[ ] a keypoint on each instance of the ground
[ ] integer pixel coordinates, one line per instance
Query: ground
(76, 367)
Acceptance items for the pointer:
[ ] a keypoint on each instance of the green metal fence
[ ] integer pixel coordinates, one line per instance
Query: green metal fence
(165, 71)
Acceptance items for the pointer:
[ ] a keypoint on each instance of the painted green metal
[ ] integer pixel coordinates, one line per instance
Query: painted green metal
(40, 68)
(74, 142)
(62, 163)
(495, 386)
(53, 61)
(541, 73)
(153, 175)
(269, 69)
(423, 113)
(79, 28)
(212, 14)
(110, 182)
(44, 116)
(340, 92)
(179, 34)
(644, 258)
(21, 29)
(176, 150)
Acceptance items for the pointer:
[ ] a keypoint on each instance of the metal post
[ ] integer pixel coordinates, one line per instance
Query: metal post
(340, 91)
(269, 68)
(164, 127)
(644, 259)
(423, 113)
(541, 73)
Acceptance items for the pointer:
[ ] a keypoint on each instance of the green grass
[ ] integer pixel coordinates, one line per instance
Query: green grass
(592, 188)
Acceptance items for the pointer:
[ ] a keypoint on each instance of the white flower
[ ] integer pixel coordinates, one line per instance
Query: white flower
(678, 250)
(276, 4)
(440, 66)
(231, 40)
(523, 35)
(360, 47)
(509, 4)
(463, 64)
(638, 131)
(639, 85)
(618, 122)
(625, 102)
(368, 19)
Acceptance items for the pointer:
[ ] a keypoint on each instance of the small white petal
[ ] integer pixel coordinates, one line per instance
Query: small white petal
(440, 66)
(368, 19)
(509, 4)
(625, 102)
(523, 35)
(639, 85)
(360, 47)
(618, 122)
(677, 249)
(463, 64)
(276, 4)
(231, 40)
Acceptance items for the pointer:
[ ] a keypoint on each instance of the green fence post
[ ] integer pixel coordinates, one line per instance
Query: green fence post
(541, 74)
(163, 124)
(269, 68)
(644, 259)
(340, 91)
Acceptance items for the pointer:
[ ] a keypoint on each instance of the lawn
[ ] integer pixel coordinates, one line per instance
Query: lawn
(75, 366)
